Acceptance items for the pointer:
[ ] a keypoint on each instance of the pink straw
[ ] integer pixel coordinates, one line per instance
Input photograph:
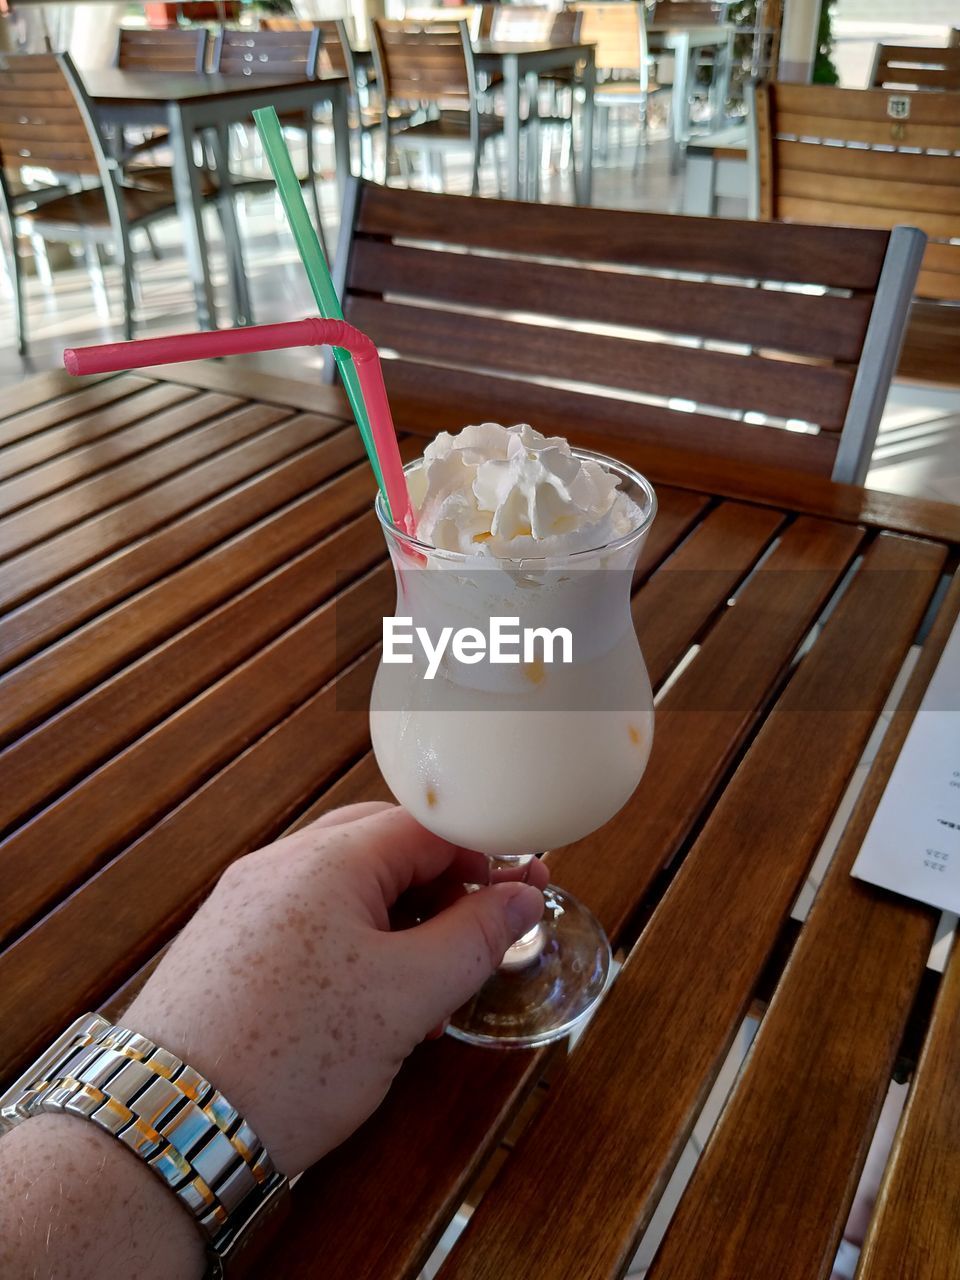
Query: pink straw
(182, 347)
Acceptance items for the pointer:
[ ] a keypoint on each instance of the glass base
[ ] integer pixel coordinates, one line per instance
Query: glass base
(548, 982)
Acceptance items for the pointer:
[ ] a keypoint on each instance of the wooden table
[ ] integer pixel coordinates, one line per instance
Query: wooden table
(192, 582)
(192, 104)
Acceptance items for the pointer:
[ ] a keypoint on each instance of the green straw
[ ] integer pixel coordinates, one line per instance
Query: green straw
(318, 273)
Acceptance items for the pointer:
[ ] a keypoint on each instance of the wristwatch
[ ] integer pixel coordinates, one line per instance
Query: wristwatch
(169, 1116)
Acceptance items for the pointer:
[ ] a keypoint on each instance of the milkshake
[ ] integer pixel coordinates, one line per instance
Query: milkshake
(512, 712)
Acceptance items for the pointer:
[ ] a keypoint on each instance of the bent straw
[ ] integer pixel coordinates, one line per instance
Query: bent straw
(182, 347)
(314, 263)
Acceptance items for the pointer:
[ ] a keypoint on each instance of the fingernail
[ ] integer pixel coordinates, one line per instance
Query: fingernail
(522, 907)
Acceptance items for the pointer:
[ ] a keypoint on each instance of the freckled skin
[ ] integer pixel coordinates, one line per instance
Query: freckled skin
(310, 1003)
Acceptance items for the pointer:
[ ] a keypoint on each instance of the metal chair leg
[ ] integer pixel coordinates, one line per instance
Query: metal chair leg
(42, 262)
(126, 269)
(19, 301)
(312, 178)
(98, 281)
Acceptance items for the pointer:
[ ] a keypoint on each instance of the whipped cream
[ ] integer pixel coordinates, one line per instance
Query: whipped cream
(511, 492)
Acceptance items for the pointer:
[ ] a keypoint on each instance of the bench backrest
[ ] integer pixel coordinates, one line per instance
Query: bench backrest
(903, 66)
(865, 158)
(699, 333)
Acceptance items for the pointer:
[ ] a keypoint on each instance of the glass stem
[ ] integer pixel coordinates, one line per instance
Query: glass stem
(526, 949)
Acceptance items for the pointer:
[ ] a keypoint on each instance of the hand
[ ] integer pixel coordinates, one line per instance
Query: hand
(289, 991)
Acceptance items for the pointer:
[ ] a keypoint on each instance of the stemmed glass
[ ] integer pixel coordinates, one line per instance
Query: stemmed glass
(519, 756)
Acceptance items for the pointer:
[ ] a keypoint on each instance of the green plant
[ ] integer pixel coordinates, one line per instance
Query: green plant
(824, 71)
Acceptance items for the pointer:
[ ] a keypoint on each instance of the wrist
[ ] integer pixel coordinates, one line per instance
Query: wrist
(210, 1044)
(78, 1204)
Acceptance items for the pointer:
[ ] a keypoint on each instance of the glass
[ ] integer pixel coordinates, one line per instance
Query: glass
(517, 756)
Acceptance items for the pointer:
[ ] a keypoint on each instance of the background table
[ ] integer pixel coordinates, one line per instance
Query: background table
(191, 587)
(527, 62)
(523, 63)
(682, 41)
(192, 104)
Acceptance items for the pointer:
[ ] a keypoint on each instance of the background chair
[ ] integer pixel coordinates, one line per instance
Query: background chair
(624, 66)
(538, 24)
(276, 53)
(724, 347)
(838, 156)
(46, 122)
(430, 66)
(177, 51)
(897, 66)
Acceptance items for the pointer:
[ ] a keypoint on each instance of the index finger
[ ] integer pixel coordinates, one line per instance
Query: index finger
(402, 854)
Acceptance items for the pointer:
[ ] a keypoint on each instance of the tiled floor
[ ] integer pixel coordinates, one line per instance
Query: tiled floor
(919, 446)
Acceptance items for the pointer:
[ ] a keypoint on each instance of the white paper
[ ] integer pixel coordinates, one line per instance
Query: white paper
(913, 844)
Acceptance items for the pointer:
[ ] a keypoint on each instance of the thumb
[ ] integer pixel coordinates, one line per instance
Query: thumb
(458, 949)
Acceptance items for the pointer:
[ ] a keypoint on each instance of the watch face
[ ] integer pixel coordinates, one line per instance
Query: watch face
(90, 1025)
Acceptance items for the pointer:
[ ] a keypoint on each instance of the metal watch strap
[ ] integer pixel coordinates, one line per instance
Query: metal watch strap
(169, 1115)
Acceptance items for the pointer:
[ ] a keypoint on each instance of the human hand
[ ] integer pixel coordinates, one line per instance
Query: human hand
(291, 994)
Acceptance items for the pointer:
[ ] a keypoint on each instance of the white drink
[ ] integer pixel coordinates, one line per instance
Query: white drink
(519, 758)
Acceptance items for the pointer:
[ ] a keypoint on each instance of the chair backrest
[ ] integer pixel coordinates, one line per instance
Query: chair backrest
(754, 340)
(45, 120)
(618, 33)
(333, 59)
(281, 53)
(424, 62)
(864, 158)
(522, 23)
(178, 50)
(899, 66)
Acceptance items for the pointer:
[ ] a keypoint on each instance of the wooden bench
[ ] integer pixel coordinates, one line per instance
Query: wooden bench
(904, 66)
(706, 334)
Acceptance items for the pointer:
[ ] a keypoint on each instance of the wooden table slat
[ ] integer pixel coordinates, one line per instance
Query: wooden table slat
(213, 434)
(50, 445)
(673, 1010)
(243, 378)
(55, 397)
(102, 467)
(703, 720)
(135, 786)
(228, 514)
(792, 1140)
(92, 729)
(52, 560)
(914, 1231)
(69, 667)
(737, 667)
(671, 613)
(148, 892)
